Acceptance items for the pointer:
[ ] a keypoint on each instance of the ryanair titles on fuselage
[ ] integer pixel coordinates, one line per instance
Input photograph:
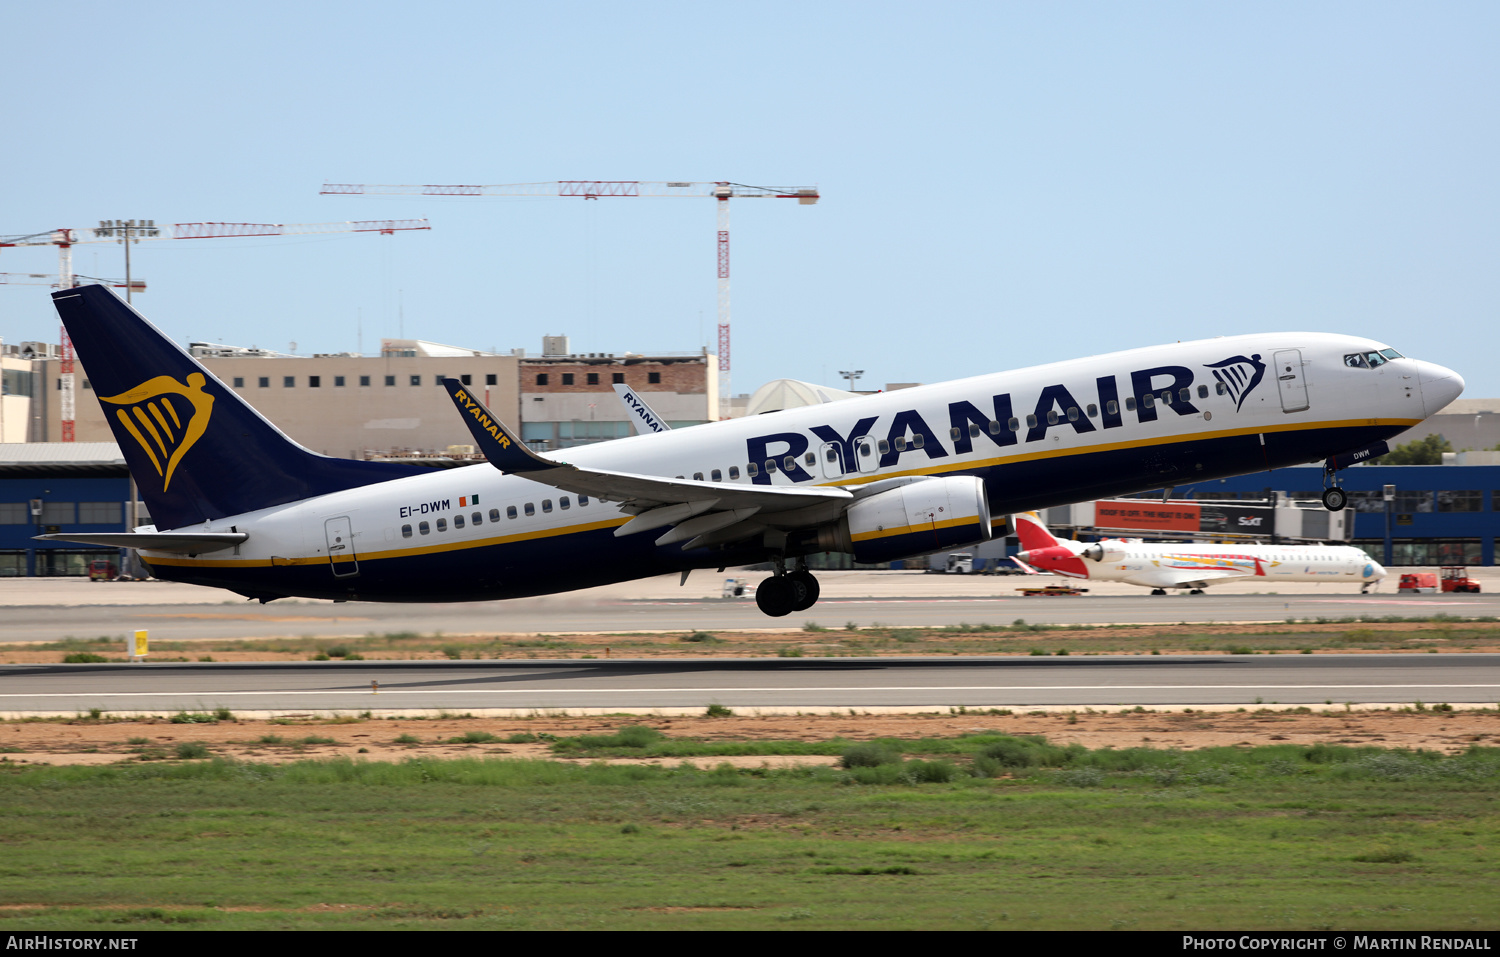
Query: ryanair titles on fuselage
(1237, 375)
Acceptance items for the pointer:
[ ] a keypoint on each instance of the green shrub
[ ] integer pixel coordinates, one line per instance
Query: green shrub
(868, 754)
(188, 750)
(83, 658)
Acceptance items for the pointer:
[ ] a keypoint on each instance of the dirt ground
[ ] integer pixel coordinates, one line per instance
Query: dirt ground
(89, 741)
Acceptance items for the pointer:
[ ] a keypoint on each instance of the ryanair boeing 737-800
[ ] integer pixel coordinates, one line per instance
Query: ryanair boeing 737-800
(238, 505)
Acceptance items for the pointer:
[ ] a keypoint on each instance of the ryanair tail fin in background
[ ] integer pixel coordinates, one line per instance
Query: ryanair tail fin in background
(198, 451)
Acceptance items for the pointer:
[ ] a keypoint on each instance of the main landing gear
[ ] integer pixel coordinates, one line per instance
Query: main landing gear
(786, 592)
(1334, 499)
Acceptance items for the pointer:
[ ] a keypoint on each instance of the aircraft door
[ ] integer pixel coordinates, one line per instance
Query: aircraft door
(865, 453)
(832, 456)
(340, 534)
(1290, 381)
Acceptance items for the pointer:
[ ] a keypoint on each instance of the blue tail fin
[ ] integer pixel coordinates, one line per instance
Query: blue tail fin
(196, 449)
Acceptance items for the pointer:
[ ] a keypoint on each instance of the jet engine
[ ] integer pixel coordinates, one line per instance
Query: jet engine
(1106, 553)
(920, 517)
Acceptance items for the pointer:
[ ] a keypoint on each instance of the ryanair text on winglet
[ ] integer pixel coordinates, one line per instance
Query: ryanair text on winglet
(485, 422)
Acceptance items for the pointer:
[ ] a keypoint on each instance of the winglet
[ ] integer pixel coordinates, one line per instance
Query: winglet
(504, 450)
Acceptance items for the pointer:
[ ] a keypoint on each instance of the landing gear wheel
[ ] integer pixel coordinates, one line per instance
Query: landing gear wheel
(1158, 591)
(806, 587)
(777, 596)
(1334, 499)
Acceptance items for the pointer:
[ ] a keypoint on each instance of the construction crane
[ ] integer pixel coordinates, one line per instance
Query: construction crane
(121, 230)
(596, 189)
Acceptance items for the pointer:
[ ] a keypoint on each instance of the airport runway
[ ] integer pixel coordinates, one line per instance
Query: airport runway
(609, 614)
(753, 684)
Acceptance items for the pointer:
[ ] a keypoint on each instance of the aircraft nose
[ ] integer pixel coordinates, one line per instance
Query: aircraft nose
(1374, 571)
(1440, 386)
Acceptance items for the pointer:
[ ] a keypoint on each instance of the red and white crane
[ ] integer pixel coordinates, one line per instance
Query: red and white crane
(723, 192)
(119, 230)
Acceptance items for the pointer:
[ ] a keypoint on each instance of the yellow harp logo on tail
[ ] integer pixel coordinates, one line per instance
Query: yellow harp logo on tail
(165, 417)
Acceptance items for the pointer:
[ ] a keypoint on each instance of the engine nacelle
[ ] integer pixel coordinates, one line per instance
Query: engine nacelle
(917, 518)
(1106, 553)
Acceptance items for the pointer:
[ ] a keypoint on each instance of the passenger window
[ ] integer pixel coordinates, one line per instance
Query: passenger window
(918, 440)
(1031, 421)
(954, 433)
(1130, 404)
(973, 431)
(495, 515)
(884, 446)
(770, 466)
(716, 475)
(752, 470)
(442, 524)
(994, 426)
(1185, 394)
(1148, 401)
(734, 472)
(1014, 425)
(1112, 407)
(697, 476)
(1203, 392)
(406, 531)
(583, 500)
(1073, 413)
(789, 463)
(423, 528)
(476, 519)
(900, 443)
(458, 521)
(1051, 416)
(546, 504)
(1166, 396)
(1093, 411)
(529, 508)
(810, 459)
(1220, 388)
(564, 503)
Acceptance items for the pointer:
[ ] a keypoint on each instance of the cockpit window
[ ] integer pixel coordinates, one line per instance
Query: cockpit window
(1371, 360)
(1356, 361)
(1391, 354)
(1376, 359)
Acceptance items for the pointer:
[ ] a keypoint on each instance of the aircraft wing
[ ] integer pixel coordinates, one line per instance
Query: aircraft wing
(697, 509)
(186, 543)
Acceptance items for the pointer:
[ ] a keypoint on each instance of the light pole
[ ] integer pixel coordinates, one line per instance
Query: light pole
(851, 376)
(127, 231)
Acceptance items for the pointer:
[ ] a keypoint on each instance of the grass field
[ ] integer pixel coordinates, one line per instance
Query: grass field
(1439, 633)
(980, 831)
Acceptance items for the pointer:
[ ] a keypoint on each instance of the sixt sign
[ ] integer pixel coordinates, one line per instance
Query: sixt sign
(1152, 393)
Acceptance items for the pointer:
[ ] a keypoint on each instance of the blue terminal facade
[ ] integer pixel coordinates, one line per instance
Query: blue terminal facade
(68, 503)
(1441, 514)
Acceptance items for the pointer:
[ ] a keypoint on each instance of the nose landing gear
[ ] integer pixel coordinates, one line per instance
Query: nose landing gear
(1334, 499)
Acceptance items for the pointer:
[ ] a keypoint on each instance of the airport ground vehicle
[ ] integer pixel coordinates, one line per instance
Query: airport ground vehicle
(1456, 578)
(1419, 583)
(240, 506)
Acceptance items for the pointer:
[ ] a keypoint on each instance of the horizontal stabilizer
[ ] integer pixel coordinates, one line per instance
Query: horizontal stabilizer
(185, 543)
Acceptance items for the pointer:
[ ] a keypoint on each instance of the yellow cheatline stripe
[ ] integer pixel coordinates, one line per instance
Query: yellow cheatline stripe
(279, 561)
(968, 465)
(913, 529)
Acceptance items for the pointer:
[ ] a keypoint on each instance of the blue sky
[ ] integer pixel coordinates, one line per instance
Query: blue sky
(1003, 183)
